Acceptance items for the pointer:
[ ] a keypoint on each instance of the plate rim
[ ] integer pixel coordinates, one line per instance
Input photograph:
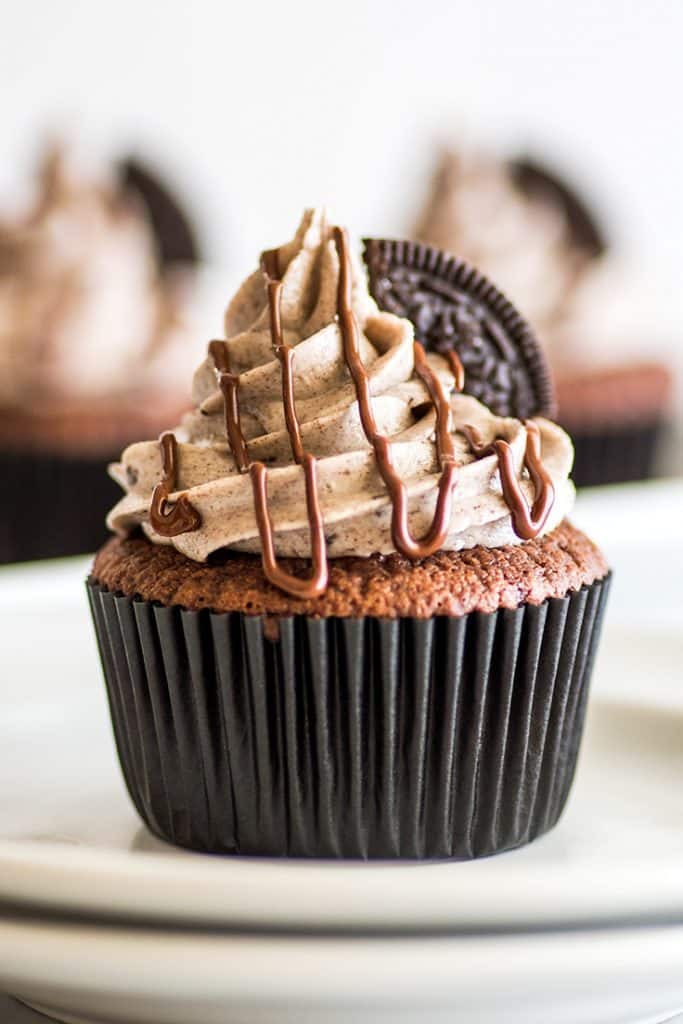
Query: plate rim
(413, 968)
(263, 895)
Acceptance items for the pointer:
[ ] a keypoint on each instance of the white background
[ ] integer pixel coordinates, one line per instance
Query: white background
(258, 109)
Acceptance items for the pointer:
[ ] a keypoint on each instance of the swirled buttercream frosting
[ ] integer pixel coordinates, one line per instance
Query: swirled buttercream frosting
(321, 429)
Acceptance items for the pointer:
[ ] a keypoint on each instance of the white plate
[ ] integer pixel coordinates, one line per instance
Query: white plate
(111, 976)
(70, 841)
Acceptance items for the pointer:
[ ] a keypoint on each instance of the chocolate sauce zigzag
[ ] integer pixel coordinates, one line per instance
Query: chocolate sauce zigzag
(454, 307)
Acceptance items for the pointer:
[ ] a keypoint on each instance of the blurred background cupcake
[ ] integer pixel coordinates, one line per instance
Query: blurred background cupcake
(97, 285)
(532, 232)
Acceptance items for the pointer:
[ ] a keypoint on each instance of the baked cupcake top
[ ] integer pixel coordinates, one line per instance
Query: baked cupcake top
(85, 309)
(321, 429)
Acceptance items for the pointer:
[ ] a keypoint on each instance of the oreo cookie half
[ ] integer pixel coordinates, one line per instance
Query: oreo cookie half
(536, 180)
(454, 307)
(176, 240)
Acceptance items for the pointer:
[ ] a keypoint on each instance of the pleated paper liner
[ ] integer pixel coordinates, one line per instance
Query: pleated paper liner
(53, 505)
(359, 738)
(616, 455)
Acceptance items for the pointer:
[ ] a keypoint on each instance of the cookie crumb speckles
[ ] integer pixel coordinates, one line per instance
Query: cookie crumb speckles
(447, 583)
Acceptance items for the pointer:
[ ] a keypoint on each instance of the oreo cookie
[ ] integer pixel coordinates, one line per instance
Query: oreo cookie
(537, 181)
(454, 307)
(176, 240)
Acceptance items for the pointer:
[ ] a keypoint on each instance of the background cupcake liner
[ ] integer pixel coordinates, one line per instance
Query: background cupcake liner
(619, 455)
(449, 737)
(53, 505)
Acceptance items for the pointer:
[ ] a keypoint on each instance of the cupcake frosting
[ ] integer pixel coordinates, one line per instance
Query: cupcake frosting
(83, 307)
(321, 429)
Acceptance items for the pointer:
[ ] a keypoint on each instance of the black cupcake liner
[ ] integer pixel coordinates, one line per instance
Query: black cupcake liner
(359, 738)
(53, 505)
(616, 455)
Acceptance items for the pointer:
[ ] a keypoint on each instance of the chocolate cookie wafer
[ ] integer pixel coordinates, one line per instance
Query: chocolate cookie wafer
(536, 180)
(453, 306)
(176, 239)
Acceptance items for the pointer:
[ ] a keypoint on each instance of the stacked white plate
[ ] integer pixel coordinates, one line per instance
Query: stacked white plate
(101, 923)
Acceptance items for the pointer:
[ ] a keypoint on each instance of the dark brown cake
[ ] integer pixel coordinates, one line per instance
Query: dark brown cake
(448, 583)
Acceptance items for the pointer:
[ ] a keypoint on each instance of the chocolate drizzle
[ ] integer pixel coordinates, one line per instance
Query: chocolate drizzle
(527, 522)
(169, 520)
(316, 583)
(284, 353)
(456, 368)
(400, 530)
(229, 385)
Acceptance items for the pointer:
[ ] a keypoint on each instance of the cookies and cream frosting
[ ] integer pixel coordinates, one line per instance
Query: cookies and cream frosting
(322, 429)
(84, 310)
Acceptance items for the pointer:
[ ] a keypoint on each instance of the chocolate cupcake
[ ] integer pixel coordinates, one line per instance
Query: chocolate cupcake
(344, 614)
(616, 419)
(537, 237)
(93, 339)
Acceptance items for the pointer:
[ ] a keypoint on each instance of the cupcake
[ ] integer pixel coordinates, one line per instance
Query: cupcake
(95, 285)
(344, 613)
(537, 238)
(617, 417)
